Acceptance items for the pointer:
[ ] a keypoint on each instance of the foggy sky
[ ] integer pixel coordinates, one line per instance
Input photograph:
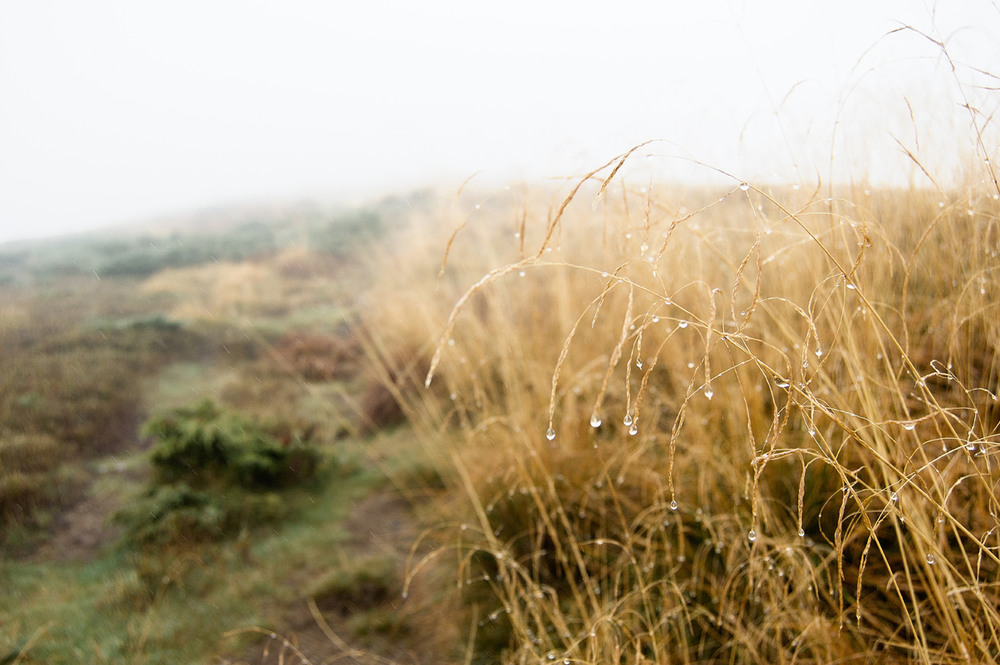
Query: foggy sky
(113, 111)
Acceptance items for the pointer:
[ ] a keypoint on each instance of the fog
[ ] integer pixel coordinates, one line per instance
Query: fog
(119, 111)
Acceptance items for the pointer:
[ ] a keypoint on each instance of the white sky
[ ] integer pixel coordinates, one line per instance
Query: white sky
(112, 111)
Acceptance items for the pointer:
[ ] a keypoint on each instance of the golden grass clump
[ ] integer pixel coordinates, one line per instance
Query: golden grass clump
(751, 424)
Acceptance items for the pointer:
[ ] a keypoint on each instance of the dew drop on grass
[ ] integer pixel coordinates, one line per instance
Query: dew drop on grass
(894, 498)
(656, 319)
(550, 434)
(971, 447)
(521, 273)
(752, 536)
(802, 532)
(633, 430)
(682, 324)
(709, 393)
(909, 426)
(744, 186)
(595, 421)
(627, 420)
(673, 505)
(781, 383)
(930, 559)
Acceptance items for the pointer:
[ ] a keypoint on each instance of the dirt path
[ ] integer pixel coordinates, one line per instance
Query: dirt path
(381, 526)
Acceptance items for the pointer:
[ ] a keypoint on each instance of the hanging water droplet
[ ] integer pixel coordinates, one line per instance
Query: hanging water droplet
(909, 426)
(633, 430)
(752, 536)
(667, 302)
(894, 498)
(595, 421)
(627, 420)
(744, 186)
(709, 393)
(550, 434)
(656, 319)
(673, 505)
(971, 447)
(812, 431)
(682, 324)
(638, 364)
(801, 532)
(930, 559)
(819, 352)
(781, 383)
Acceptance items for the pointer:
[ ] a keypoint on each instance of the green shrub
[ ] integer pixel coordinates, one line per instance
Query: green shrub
(204, 445)
(215, 474)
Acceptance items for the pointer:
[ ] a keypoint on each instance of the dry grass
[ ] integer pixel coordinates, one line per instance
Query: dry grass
(752, 425)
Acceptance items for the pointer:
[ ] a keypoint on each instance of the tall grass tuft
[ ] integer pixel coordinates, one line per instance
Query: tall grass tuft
(751, 424)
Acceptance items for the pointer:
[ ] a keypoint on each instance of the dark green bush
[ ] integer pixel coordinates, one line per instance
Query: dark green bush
(205, 445)
(215, 474)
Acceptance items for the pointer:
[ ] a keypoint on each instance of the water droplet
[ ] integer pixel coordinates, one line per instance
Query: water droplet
(752, 536)
(709, 393)
(744, 186)
(656, 319)
(682, 324)
(802, 532)
(819, 353)
(673, 505)
(595, 421)
(781, 383)
(627, 420)
(633, 430)
(638, 364)
(812, 431)
(971, 447)
(894, 498)
(521, 273)
(930, 559)
(909, 426)
(550, 434)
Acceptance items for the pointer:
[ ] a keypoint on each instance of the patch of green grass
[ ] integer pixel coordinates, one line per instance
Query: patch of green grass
(174, 605)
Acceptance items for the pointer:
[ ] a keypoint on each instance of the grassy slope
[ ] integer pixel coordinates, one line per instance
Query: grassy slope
(794, 363)
(178, 335)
